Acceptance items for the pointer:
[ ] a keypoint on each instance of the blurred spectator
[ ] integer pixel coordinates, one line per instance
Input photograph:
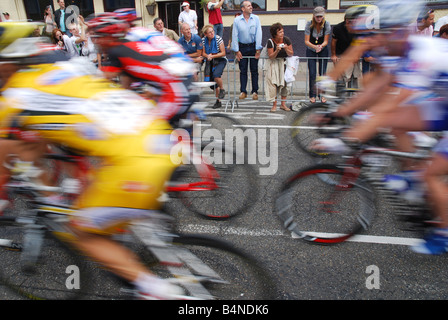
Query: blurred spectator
(214, 52)
(159, 26)
(63, 42)
(279, 47)
(189, 16)
(341, 39)
(246, 42)
(317, 34)
(6, 16)
(423, 25)
(62, 19)
(443, 32)
(50, 24)
(441, 22)
(78, 38)
(215, 17)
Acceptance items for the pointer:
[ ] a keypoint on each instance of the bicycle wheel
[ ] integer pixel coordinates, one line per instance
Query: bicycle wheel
(59, 273)
(305, 131)
(218, 187)
(323, 204)
(239, 276)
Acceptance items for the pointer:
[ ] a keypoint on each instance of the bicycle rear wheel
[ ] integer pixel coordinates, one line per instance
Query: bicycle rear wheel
(239, 276)
(59, 273)
(323, 204)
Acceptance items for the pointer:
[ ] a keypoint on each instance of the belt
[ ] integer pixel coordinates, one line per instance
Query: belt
(246, 44)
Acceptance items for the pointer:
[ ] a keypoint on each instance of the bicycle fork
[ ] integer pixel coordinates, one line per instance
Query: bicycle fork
(187, 269)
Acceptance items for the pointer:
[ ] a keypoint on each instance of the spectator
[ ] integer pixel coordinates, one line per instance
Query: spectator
(189, 16)
(317, 34)
(78, 39)
(50, 24)
(215, 17)
(62, 19)
(423, 25)
(192, 44)
(246, 42)
(159, 26)
(63, 42)
(214, 52)
(342, 37)
(279, 47)
(6, 16)
(443, 31)
(441, 22)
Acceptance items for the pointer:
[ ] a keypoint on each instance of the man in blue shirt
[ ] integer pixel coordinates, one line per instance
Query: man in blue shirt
(192, 43)
(246, 42)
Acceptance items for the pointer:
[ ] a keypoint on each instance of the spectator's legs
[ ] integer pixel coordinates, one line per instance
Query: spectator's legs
(312, 72)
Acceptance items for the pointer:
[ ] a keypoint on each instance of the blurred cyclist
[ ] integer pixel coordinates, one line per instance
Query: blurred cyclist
(419, 76)
(97, 119)
(146, 59)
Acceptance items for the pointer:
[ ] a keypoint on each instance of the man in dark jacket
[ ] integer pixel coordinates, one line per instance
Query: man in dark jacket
(62, 18)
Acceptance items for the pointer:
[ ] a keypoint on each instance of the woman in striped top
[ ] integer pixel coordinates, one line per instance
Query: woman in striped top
(214, 52)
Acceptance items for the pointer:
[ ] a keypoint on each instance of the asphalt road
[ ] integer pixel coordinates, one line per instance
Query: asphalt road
(377, 265)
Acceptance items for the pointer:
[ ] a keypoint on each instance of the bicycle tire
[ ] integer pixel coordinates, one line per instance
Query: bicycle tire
(225, 200)
(321, 205)
(60, 273)
(304, 131)
(245, 277)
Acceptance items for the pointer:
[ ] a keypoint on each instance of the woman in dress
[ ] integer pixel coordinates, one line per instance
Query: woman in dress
(279, 47)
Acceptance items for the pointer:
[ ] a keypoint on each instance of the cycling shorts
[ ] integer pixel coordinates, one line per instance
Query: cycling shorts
(433, 111)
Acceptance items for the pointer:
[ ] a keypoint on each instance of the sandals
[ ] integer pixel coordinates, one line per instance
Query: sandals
(312, 100)
(323, 99)
(285, 108)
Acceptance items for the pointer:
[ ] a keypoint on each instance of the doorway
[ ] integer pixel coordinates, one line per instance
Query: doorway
(169, 13)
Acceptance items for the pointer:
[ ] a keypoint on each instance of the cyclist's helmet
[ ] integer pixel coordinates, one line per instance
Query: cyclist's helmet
(398, 13)
(127, 14)
(107, 23)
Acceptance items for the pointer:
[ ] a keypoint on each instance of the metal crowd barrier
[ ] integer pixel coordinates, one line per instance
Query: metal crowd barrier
(299, 90)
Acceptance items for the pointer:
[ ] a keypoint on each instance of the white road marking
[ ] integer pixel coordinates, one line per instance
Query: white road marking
(239, 231)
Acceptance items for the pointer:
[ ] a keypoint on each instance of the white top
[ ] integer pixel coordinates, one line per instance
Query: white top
(442, 21)
(189, 17)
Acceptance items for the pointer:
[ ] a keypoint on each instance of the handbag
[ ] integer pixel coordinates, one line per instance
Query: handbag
(263, 56)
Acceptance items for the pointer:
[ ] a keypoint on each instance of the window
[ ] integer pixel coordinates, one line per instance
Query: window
(302, 4)
(234, 5)
(112, 5)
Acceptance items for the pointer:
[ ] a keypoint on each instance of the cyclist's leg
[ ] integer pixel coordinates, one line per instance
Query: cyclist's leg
(437, 188)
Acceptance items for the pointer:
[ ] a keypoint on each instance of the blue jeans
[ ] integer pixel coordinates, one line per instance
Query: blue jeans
(219, 29)
(312, 63)
(248, 51)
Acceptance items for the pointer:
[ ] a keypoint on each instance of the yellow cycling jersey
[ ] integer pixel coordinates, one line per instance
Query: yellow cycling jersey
(66, 104)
